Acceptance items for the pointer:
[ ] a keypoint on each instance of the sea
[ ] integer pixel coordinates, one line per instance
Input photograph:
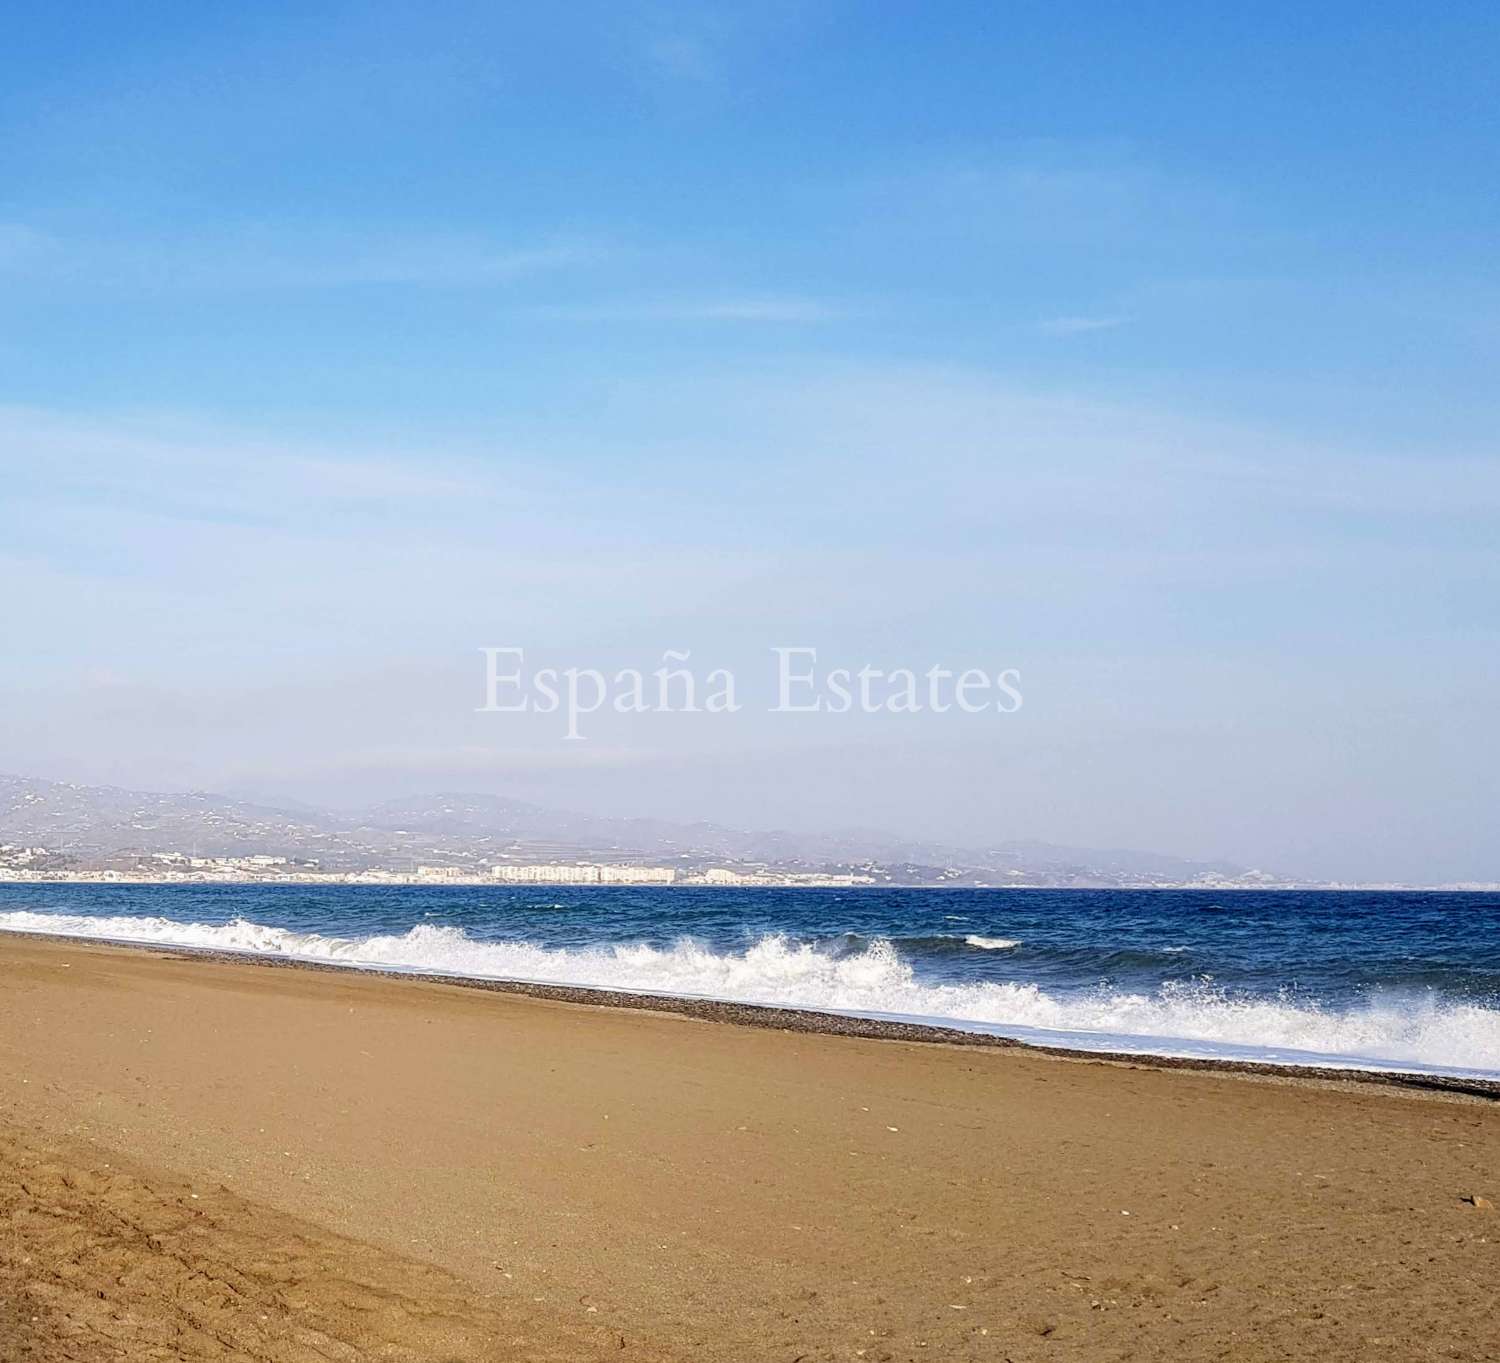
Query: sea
(1379, 981)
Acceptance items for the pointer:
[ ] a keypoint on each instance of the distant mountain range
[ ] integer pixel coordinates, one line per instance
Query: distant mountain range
(99, 826)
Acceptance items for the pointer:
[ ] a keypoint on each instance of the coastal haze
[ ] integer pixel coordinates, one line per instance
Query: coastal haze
(52, 830)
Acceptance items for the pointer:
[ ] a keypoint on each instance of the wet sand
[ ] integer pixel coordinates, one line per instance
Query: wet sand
(207, 1159)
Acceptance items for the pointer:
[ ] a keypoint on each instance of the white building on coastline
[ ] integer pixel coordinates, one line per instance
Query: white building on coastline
(583, 873)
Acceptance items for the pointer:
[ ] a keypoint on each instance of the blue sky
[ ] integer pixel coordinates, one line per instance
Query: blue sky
(1146, 348)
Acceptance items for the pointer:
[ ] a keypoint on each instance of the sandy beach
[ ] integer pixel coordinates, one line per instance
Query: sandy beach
(202, 1159)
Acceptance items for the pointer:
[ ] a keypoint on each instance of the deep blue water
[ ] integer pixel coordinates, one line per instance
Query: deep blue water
(1410, 980)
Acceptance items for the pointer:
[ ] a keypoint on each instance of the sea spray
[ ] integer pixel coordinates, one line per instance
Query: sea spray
(1195, 1016)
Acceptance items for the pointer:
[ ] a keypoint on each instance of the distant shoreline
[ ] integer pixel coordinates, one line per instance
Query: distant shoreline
(356, 880)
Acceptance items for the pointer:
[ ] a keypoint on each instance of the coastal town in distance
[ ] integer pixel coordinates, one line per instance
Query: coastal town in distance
(59, 831)
(62, 832)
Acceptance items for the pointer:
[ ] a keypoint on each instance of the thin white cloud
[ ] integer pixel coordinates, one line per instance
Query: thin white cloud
(20, 244)
(779, 309)
(1078, 326)
(424, 261)
(289, 256)
(1061, 193)
(680, 57)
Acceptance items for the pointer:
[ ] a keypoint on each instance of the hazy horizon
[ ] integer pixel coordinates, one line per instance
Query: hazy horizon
(339, 346)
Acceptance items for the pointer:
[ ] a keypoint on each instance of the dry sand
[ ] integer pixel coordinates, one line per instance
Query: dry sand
(209, 1160)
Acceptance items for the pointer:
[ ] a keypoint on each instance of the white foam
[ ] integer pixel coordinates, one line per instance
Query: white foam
(1177, 1019)
(991, 943)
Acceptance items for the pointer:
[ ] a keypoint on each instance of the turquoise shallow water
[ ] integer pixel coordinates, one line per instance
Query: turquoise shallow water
(1388, 980)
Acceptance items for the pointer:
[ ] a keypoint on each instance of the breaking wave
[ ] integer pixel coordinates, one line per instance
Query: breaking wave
(1413, 1032)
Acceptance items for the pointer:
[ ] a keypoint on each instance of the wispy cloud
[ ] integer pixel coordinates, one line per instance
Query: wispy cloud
(1077, 326)
(422, 261)
(680, 57)
(787, 310)
(20, 244)
(1062, 193)
(288, 256)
